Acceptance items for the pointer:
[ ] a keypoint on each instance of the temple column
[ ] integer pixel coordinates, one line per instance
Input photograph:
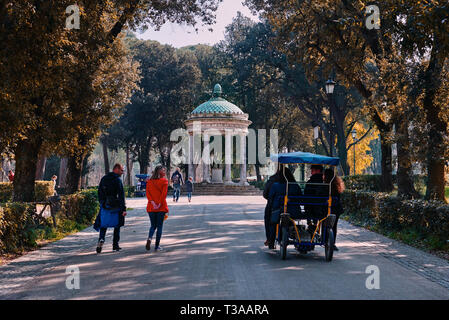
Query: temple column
(206, 159)
(228, 157)
(191, 168)
(243, 159)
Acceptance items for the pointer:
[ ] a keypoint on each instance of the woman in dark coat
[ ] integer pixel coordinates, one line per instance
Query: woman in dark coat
(276, 201)
(267, 216)
(337, 189)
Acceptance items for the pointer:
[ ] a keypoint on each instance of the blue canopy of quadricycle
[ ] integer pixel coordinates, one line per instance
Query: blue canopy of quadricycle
(304, 157)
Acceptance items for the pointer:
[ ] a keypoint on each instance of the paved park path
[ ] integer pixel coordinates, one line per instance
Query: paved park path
(214, 250)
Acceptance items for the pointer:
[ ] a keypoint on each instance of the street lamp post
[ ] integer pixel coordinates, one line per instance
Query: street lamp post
(316, 134)
(330, 86)
(354, 138)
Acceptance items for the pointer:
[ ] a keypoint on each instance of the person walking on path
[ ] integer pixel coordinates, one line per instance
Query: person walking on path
(112, 199)
(54, 179)
(337, 188)
(177, 181)
(189, 188)
(157, 188)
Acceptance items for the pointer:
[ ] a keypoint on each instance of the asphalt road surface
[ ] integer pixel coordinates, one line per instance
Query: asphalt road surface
(214, 250)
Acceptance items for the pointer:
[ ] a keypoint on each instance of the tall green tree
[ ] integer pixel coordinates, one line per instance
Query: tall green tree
(34, 103)
(170, 81)
(333, 35)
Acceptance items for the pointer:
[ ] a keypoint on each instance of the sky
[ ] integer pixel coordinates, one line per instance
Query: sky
(182, 35)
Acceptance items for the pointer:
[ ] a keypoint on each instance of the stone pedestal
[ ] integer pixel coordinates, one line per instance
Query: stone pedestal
(217, 175)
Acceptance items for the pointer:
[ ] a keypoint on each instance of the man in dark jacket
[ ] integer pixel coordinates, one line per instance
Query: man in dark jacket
(112, 196)
(177, 181)
(313, 189)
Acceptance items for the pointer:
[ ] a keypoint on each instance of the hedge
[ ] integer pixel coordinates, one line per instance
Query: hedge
(42, 190)
(428, 219)
(368, 182)
(19, 230)
(16, 225)
(82, 206)
(258, 184)
(363, 182)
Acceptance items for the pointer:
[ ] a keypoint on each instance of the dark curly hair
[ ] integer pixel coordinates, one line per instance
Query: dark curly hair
(337, 184)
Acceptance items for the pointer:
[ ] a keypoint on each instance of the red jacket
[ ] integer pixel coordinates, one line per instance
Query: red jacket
(157, 191)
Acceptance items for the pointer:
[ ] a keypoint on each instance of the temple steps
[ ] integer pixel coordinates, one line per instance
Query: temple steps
(222, 189)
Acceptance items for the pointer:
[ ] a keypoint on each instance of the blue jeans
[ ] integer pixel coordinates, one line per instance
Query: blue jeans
(176, 191)
(116, 237)
(157, 221)
(189, 195)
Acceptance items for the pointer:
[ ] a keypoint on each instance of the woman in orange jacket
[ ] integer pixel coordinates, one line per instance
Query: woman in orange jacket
(157, 208)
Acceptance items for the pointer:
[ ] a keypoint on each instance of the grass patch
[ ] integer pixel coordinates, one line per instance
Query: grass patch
(64, 227)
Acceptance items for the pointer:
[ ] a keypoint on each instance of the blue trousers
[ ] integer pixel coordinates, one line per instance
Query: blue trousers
(157, 221)
(176, 191)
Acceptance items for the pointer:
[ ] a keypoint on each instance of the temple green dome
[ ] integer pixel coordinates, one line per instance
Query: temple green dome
(217, 105)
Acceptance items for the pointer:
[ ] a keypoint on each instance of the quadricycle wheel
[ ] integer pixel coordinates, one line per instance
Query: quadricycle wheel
(329, 244)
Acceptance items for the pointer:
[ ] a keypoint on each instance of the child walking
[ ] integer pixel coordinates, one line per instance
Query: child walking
(189, 188)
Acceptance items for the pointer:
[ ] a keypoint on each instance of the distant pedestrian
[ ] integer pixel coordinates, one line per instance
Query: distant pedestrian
(157, 188)
(11, 176)
(112, 207)
(189, 188)
(177, 181)
(337, 188)
(54, 178)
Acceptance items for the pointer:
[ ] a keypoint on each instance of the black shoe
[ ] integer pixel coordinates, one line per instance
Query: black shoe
(100, 246)
(116, 248)
(148, 245)
(335, 248)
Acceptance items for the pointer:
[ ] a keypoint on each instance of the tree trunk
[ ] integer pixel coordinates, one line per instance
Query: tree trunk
(2, 171)
(63, 173)
(406, 187)
(257, 166)
(128, 168)
(438, 127)
(143, 157)
(105, 156)
(26, 155)
(342, 152)
(40, 167)
(74, 172)
(387, 178)
(85, 172)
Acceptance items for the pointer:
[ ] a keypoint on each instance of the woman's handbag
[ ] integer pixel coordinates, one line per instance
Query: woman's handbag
(275, 216)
